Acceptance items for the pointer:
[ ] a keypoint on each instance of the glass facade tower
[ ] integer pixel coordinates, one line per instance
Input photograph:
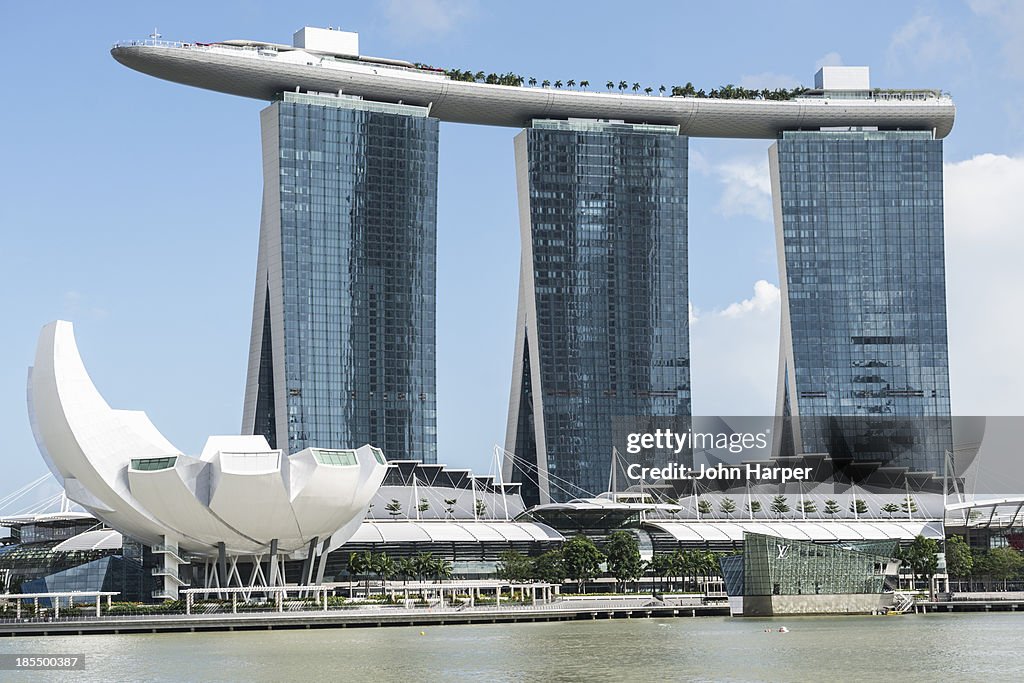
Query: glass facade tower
(863, 372)
(343, 335)
(602, 330)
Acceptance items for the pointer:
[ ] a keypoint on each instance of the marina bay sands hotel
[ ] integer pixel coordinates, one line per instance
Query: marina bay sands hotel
(343, 332)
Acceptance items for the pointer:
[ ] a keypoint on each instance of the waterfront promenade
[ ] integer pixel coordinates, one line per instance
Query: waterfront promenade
(617, 607)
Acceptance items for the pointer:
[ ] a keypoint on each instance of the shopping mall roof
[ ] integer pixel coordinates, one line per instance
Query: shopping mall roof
(825, 530)
(452, 531)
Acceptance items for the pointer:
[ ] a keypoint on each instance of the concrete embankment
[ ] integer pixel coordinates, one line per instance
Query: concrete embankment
(358, 618)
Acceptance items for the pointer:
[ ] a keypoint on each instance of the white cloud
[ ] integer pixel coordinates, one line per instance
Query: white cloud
(1008, 21)
(984, 244)
(769, 79)
(427, 19)
(735, 356)
(924, 42)
(829, 59)
(766, 298)
(747, 189)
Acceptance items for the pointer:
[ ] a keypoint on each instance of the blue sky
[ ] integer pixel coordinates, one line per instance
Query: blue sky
(130, 206)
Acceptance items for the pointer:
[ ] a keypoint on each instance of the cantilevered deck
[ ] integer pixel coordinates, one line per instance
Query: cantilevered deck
(261, 72)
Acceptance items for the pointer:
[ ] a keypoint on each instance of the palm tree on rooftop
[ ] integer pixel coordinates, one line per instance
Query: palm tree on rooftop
(661, 89)
(532, 81)
(545, 83)
(570, 83)
(610, 84)
(636, 87)
(584, 84)
(623, 85)
(648, 90)
(558, 84)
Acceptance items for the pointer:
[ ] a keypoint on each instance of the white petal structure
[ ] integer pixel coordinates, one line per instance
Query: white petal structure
(238, 492)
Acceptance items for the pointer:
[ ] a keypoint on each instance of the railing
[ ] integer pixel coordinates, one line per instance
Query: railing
(184, 558)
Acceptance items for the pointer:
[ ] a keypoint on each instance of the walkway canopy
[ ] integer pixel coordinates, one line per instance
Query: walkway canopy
(820, 531)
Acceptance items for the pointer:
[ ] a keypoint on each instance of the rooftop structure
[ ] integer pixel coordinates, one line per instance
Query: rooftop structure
(320, 61)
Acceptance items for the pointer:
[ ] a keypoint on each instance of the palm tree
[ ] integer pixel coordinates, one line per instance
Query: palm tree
(610, 85)
(661, 90)
(648, 90)
(406, 568)
(383, 566)
(558, 84)
(532, 81)
(361, 564)
(623, 85)
(636, 87)
(442, 569)
(424, 565)
(570, 83)
(584, 84)
(545, 83)
(479, 76)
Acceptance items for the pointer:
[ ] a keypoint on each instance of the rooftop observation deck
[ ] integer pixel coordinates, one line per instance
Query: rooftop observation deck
(262, 71)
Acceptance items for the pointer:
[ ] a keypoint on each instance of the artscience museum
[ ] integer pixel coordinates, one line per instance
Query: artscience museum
(239, 497)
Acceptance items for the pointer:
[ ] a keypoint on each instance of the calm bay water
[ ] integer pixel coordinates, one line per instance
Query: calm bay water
(969, 647)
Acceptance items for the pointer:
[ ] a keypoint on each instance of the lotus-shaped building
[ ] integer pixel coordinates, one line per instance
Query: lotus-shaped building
(239, 497)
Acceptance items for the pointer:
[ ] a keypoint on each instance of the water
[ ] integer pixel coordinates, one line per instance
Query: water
(968, 647)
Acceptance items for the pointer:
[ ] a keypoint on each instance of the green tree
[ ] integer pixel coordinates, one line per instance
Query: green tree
(406, 568)
(648, 90)
(779, 505)
(636, 87)
(623, 85)
(754, 506)
(548, 567)
(424, 564)
(545, 83)
(610, 85)
(570, 83)
(831, 507)
(660, 566)
(441, 570)
(532, 81)
(581, 560)
(704, 507)
(623, 555)
(859, 506)
(909, 506)
(727, 506)
(481, 508)
(959, 560)
(890, 509)
(661, 90)
(424, 505)
(361, 564)
(584, 84)
(922, 558)
(514, 566)
(383, 566)
(807, 507)
(558, 84)
(394, 508)
(1002, 564)
(449, 507)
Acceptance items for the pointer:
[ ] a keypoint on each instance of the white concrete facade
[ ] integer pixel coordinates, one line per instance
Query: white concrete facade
(238, 497)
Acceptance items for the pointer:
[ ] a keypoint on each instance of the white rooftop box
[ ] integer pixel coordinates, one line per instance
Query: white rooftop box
(327, 40)
(842, 78)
